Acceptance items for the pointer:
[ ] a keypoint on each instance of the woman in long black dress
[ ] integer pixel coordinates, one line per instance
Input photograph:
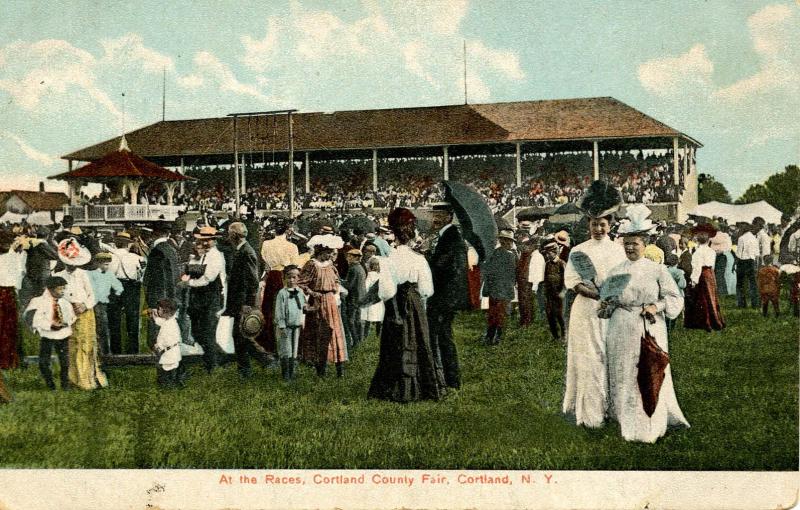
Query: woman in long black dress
(406, 368)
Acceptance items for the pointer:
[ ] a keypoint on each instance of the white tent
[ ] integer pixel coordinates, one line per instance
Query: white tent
(34, 218)
(733, 213)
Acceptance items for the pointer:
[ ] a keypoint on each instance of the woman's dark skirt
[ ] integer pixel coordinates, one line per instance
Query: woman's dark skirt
(407, 370)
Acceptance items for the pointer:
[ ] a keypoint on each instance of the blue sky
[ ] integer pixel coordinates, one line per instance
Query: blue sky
(726, 73)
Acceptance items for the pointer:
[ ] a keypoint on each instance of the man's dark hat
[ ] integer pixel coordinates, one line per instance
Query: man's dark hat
(442, 206)
(54, 281)
(600, 199)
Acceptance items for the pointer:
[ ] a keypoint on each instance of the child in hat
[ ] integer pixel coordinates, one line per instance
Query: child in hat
(499, 278)
(289, 306)
(170, 371)
(373, 313)
(53, 317)
(354, 283)
(769, 286)
(553, 284)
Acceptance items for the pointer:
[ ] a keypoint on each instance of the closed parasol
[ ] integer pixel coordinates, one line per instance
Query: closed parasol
(653, 362)
(474, 215)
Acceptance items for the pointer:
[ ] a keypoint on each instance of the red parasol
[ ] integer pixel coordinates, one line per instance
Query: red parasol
(653, 362)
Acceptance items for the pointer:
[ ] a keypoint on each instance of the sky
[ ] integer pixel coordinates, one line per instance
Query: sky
(726, 73)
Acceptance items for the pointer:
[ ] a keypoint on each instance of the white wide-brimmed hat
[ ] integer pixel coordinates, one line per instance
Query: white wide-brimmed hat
(72, 253)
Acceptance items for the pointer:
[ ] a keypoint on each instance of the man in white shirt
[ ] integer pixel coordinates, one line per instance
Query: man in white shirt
(763, 237)
(128, 268)
(793, 246)
(206, 293)
(748, 253)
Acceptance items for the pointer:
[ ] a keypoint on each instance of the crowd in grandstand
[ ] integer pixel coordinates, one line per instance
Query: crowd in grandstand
(547, 180)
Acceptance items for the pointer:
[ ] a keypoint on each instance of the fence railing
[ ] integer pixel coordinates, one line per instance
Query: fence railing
(102, 213)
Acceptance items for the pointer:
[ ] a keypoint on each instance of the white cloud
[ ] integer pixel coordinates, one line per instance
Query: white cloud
(210, 68)
(413, 58)
(258, 54)
(503, 61)
(416, 43)
(129, 50)
(30, 152)
(773, 30)
(190, 81)
(674, 75)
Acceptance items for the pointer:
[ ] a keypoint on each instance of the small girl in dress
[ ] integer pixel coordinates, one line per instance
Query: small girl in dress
(372, 313)
(169, 370)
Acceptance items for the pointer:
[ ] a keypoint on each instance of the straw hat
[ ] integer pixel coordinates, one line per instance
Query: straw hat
(252, 322)
(206, 233)
(506, 234)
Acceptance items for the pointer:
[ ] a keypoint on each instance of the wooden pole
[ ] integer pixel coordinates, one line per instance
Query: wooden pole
(596, 160)
(236, 168)
(308, 173)
(291, 166)
(675, 170)
(519, 164)
(183, 172)
(445, 164)
(374, 169)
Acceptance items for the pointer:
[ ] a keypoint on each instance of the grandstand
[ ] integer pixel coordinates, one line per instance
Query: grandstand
(529, 153)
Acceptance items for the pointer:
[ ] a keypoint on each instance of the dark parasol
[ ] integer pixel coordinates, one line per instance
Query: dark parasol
(474, 215)
(653, 362)
(359, 224)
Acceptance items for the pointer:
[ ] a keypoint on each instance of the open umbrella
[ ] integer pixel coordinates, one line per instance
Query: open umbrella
(474, 215)
(533, 214)
(653, 362)
(359, 223)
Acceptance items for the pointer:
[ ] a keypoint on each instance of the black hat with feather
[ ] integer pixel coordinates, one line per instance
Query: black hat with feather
(600, 199)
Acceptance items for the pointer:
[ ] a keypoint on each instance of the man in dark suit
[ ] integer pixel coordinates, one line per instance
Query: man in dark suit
(447, 258)
(242, 291)
(161, 274)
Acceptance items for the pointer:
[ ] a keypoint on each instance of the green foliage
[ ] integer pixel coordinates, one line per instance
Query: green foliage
(781, 190)
(709, 190)
(737, 388)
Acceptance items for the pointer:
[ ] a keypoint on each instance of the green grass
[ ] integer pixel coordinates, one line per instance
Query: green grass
(738, 389)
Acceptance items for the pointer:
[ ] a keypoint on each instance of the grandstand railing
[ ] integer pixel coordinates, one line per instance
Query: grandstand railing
(113, 213)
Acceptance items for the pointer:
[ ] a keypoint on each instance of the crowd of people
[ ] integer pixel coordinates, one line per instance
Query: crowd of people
(547, 180)
(309, 291)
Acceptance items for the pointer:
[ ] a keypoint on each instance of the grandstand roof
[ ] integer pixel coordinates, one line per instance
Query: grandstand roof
(550, 121)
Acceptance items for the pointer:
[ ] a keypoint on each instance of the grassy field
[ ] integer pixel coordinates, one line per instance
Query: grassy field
(738, 389)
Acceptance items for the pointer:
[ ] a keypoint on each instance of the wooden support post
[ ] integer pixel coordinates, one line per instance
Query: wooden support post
(374, 169)
(308, 173)
(183, 172)
(170, 192)
(445, 164)
(596, 160)
(519, 164)
(675, 169)
(244, 180)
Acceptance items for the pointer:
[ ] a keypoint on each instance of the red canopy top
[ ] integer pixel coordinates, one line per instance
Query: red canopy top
(121, 163)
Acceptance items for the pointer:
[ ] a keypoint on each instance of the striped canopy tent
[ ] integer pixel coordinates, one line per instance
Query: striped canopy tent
(122, 170)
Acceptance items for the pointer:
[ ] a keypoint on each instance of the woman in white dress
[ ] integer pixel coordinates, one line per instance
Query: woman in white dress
(649, 297)
(586, 385)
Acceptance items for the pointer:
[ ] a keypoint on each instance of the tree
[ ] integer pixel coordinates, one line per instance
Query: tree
(709, 190)
(781, 190)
